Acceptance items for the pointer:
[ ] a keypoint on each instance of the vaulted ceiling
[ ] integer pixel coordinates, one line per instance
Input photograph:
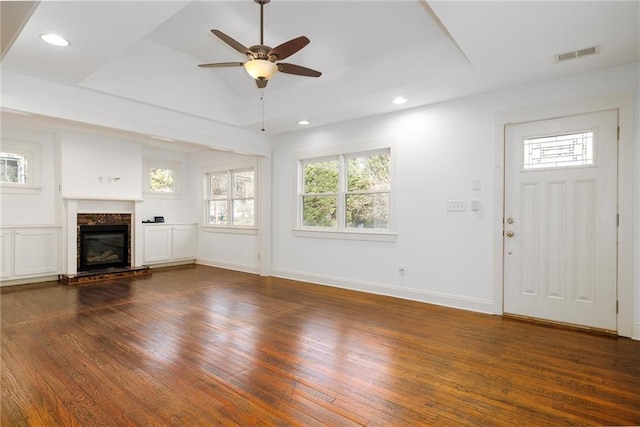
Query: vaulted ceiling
(368, 51)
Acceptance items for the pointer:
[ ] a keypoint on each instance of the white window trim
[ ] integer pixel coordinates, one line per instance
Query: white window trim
(225, 168)
(33, 152)
(173, 165)
(340, 232)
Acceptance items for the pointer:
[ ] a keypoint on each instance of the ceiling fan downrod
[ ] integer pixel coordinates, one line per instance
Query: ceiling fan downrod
(262, 3)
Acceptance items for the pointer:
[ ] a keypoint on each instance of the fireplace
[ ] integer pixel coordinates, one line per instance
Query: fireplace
(94, 227)
(103, 246)
(104, 241)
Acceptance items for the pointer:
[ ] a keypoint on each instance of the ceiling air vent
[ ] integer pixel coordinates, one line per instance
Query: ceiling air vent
(577, 53)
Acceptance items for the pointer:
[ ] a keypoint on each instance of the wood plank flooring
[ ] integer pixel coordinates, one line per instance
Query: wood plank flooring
(199, 346)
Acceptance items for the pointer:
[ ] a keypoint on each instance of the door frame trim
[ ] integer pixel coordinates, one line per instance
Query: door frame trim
(623, 102)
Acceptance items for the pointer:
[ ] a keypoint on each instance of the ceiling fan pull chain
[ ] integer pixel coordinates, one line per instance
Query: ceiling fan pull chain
(262, 99)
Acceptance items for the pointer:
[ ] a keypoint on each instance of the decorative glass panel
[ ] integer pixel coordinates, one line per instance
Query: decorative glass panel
(367, 210)
(218, 212)
(319, 211)
(161, 180)
(321, 177)
(13, 168)
(370, 173)
(558, 151)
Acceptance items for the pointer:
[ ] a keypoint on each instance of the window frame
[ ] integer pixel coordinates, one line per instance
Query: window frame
(229, 170)
(33, 153)
(343, 153)
(175, 166)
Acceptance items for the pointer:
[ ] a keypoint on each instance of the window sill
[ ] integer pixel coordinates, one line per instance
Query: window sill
(10, 189)
(229, 230)
(346, 235)
(160, 195)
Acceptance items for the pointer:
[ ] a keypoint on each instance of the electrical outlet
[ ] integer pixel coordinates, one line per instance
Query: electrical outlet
(456, 205)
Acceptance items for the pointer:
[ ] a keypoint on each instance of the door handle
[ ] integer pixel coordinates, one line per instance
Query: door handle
(510, 233)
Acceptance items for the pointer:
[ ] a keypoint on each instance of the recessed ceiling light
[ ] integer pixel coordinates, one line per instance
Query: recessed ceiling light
(399, 100)
(303, 122)
(54, 39)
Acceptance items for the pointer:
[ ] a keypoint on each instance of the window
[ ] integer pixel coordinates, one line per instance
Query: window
(558, 151)
(19, 166)
(161, 177)
(13, 168)
(347, 192)
(230, 198)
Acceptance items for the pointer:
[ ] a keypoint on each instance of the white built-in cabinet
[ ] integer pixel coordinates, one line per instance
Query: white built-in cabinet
(27, 252)
(165, 243)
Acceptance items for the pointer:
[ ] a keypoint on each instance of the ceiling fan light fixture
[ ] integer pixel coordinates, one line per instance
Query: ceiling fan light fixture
(260, 69)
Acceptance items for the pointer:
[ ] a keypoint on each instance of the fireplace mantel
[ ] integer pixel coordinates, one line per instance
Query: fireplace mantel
(98, 198)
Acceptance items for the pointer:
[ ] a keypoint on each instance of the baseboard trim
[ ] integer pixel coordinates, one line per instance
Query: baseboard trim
(245, 268)
(171, 264)
(437, 298)
(636, 331)
(28, 281)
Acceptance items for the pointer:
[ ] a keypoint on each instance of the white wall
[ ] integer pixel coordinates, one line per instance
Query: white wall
(37, 208)
(449, 257)
(220, 248)
(174, 208)
(94, 166)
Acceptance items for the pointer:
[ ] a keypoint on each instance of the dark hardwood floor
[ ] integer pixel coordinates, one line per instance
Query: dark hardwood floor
(199, 346)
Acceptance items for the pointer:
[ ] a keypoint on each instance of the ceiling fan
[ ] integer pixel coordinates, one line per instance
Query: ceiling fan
(262, 60)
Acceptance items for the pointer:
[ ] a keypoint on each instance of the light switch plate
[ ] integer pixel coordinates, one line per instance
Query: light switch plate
(456, 205)
(476, 184)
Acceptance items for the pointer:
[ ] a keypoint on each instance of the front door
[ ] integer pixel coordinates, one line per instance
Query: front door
(560, 219)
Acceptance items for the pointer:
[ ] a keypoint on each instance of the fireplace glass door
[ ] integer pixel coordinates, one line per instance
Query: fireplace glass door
(103, 246)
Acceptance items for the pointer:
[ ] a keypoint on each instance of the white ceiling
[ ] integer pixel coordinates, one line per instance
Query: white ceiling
(368, 51)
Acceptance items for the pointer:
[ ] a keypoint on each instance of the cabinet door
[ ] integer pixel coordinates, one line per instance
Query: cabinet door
(184, 241)
(37, 252)
(157, 243)
(6, 253)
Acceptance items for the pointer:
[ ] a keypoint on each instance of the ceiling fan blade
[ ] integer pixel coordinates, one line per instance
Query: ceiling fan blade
(222, 64)
(287, 49)
(297, 70)
(262, 83)
(231, 42)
